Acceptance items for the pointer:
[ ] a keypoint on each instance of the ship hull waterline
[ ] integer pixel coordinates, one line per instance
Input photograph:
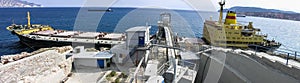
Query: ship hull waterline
(35, 44)
(259, 48)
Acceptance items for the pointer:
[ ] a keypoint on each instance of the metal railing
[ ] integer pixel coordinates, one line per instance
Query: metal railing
(287, 53)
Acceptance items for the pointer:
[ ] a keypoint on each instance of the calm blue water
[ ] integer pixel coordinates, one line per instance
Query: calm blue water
(185, 23)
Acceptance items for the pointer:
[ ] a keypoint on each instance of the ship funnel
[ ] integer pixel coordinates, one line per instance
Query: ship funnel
(28, 19)
(230, 18)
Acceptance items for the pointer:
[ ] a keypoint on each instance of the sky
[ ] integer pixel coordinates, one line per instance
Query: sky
(210, 5)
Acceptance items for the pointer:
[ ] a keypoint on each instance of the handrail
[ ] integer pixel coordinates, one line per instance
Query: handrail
(137, 68)
(280, 50)
(284, 51)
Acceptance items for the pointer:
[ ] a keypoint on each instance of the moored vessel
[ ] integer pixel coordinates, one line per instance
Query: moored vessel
(39, 36)
(232, 34)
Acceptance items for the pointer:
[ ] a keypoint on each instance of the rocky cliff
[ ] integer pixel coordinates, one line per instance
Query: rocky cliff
(17, 3)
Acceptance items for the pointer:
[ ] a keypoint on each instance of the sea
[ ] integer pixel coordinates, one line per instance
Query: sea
(185, 23)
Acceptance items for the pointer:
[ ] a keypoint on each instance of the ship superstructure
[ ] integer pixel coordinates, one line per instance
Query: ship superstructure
(29, 28)
(232, 34)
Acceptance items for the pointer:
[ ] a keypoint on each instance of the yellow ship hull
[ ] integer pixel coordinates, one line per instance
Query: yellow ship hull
(22, 31)
(228, 36)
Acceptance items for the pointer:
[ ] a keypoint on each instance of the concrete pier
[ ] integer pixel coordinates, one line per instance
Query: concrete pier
(239, 66)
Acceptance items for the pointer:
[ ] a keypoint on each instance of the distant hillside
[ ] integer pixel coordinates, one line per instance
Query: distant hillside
(257, 9)
(268, 13)
(17, 3)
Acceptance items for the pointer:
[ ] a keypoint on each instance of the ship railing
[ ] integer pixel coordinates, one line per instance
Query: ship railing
(261, 34)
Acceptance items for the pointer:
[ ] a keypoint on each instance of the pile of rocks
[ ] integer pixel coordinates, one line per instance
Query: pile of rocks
(34, 67)
(11, 58)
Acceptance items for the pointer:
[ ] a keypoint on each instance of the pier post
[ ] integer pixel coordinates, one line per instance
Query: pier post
(287, 59)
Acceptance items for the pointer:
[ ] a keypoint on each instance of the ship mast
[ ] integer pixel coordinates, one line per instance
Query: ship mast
(222, 3)
(28, 19)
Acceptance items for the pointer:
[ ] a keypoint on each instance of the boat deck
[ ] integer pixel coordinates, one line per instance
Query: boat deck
(78, 37)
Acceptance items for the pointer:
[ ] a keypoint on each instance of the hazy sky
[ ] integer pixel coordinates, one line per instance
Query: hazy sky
(288, 5)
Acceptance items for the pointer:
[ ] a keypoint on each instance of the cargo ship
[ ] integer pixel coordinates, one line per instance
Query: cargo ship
(232, 34)
(39, 36)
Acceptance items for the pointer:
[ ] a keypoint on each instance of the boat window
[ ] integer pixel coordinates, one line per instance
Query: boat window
(233, 37)
(229, 42)
(232, 27)
(240, 27)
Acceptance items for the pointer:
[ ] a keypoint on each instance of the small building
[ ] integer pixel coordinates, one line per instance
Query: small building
(121, 53)
(137, 36)
(91, 58)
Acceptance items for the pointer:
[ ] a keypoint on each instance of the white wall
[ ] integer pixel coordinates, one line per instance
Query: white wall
(133, 38)
(79, 62)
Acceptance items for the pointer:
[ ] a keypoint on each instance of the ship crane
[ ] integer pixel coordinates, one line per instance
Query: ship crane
(28, 20)
(222, 3)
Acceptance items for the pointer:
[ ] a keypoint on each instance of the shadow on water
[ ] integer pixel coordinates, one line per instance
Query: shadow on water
(13, 47)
